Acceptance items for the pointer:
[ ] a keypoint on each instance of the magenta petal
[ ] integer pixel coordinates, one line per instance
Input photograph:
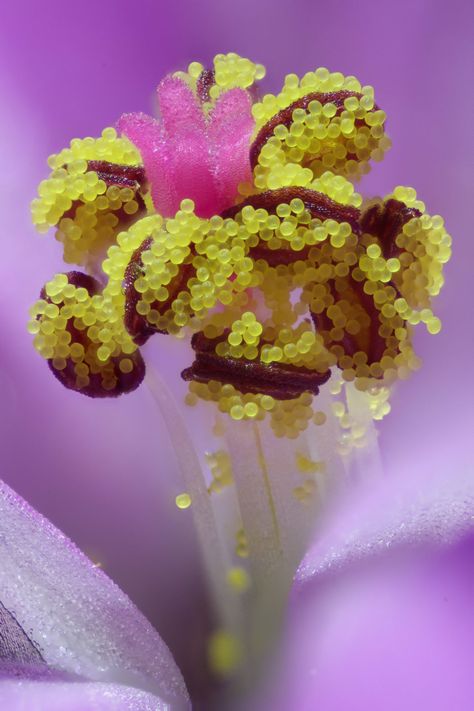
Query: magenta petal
(180, 110)
(147, 134)
(186, 156)
(230, 130)
(143, 130)
(62, 611)
(187, 147)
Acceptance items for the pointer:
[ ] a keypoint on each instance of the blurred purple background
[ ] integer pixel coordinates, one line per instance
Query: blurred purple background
(104, 471)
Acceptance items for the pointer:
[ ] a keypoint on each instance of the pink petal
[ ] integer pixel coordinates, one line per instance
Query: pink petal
(187, 147)
(186, 156)
(147, 134)
(230, 130)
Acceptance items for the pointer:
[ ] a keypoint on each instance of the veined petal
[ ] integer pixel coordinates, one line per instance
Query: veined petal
(71, 616)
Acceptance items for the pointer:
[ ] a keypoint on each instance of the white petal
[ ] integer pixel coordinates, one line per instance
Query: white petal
(76, 696)
(77, 618)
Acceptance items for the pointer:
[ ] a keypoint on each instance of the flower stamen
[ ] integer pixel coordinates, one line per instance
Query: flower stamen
(281, 381)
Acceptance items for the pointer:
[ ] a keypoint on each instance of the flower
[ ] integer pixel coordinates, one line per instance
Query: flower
(250, 225)
(246, 240)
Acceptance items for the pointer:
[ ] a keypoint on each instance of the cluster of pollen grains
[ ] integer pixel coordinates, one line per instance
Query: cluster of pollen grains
(324, 121)
(286, 175)
(243, 339)
(229, 71)
(337, 188)
(288, 418)
(85, 199)
(423, 247)
(188, 268)
(362, 329)
(220, 467)
(81, 334)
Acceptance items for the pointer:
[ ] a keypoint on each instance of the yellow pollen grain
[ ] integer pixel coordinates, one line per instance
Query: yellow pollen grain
(183, 501)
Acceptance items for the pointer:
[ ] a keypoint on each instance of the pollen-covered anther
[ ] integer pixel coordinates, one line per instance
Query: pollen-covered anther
(280, 381)
(285, 116)
(360, 316)
(415, 246)
(96, 187)
(142, 315)
(298, 204)
(318, 204)
(84, 343)
(97, 216)
(206, 80)
(324, 121)
(385, 220)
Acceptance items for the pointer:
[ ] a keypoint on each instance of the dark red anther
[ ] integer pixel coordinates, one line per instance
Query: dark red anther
(124, 176)
(79, 280)
(319, 205)
(368, 340)
(385, 220)
(206, 80)
(285, 116)
(278, 257)
(125, 382)
(280, 380)
(137, 325)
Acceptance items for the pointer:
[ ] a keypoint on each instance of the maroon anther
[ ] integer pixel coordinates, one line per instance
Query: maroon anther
(368, 339)
(137, 325)
(285, 116)
(278, 257)
(279, 380)
(385, 220)
(124, 176)
(206, 80)
(125, 382)
(79, 280)
(319, 205)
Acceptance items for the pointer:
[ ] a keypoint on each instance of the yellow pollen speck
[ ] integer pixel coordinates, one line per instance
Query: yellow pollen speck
(224, 653)
(183, 501)
(238, 579)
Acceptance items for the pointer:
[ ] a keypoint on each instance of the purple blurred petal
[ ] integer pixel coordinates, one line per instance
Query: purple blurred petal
(382, 612)
(433, 508)
(76, 619)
